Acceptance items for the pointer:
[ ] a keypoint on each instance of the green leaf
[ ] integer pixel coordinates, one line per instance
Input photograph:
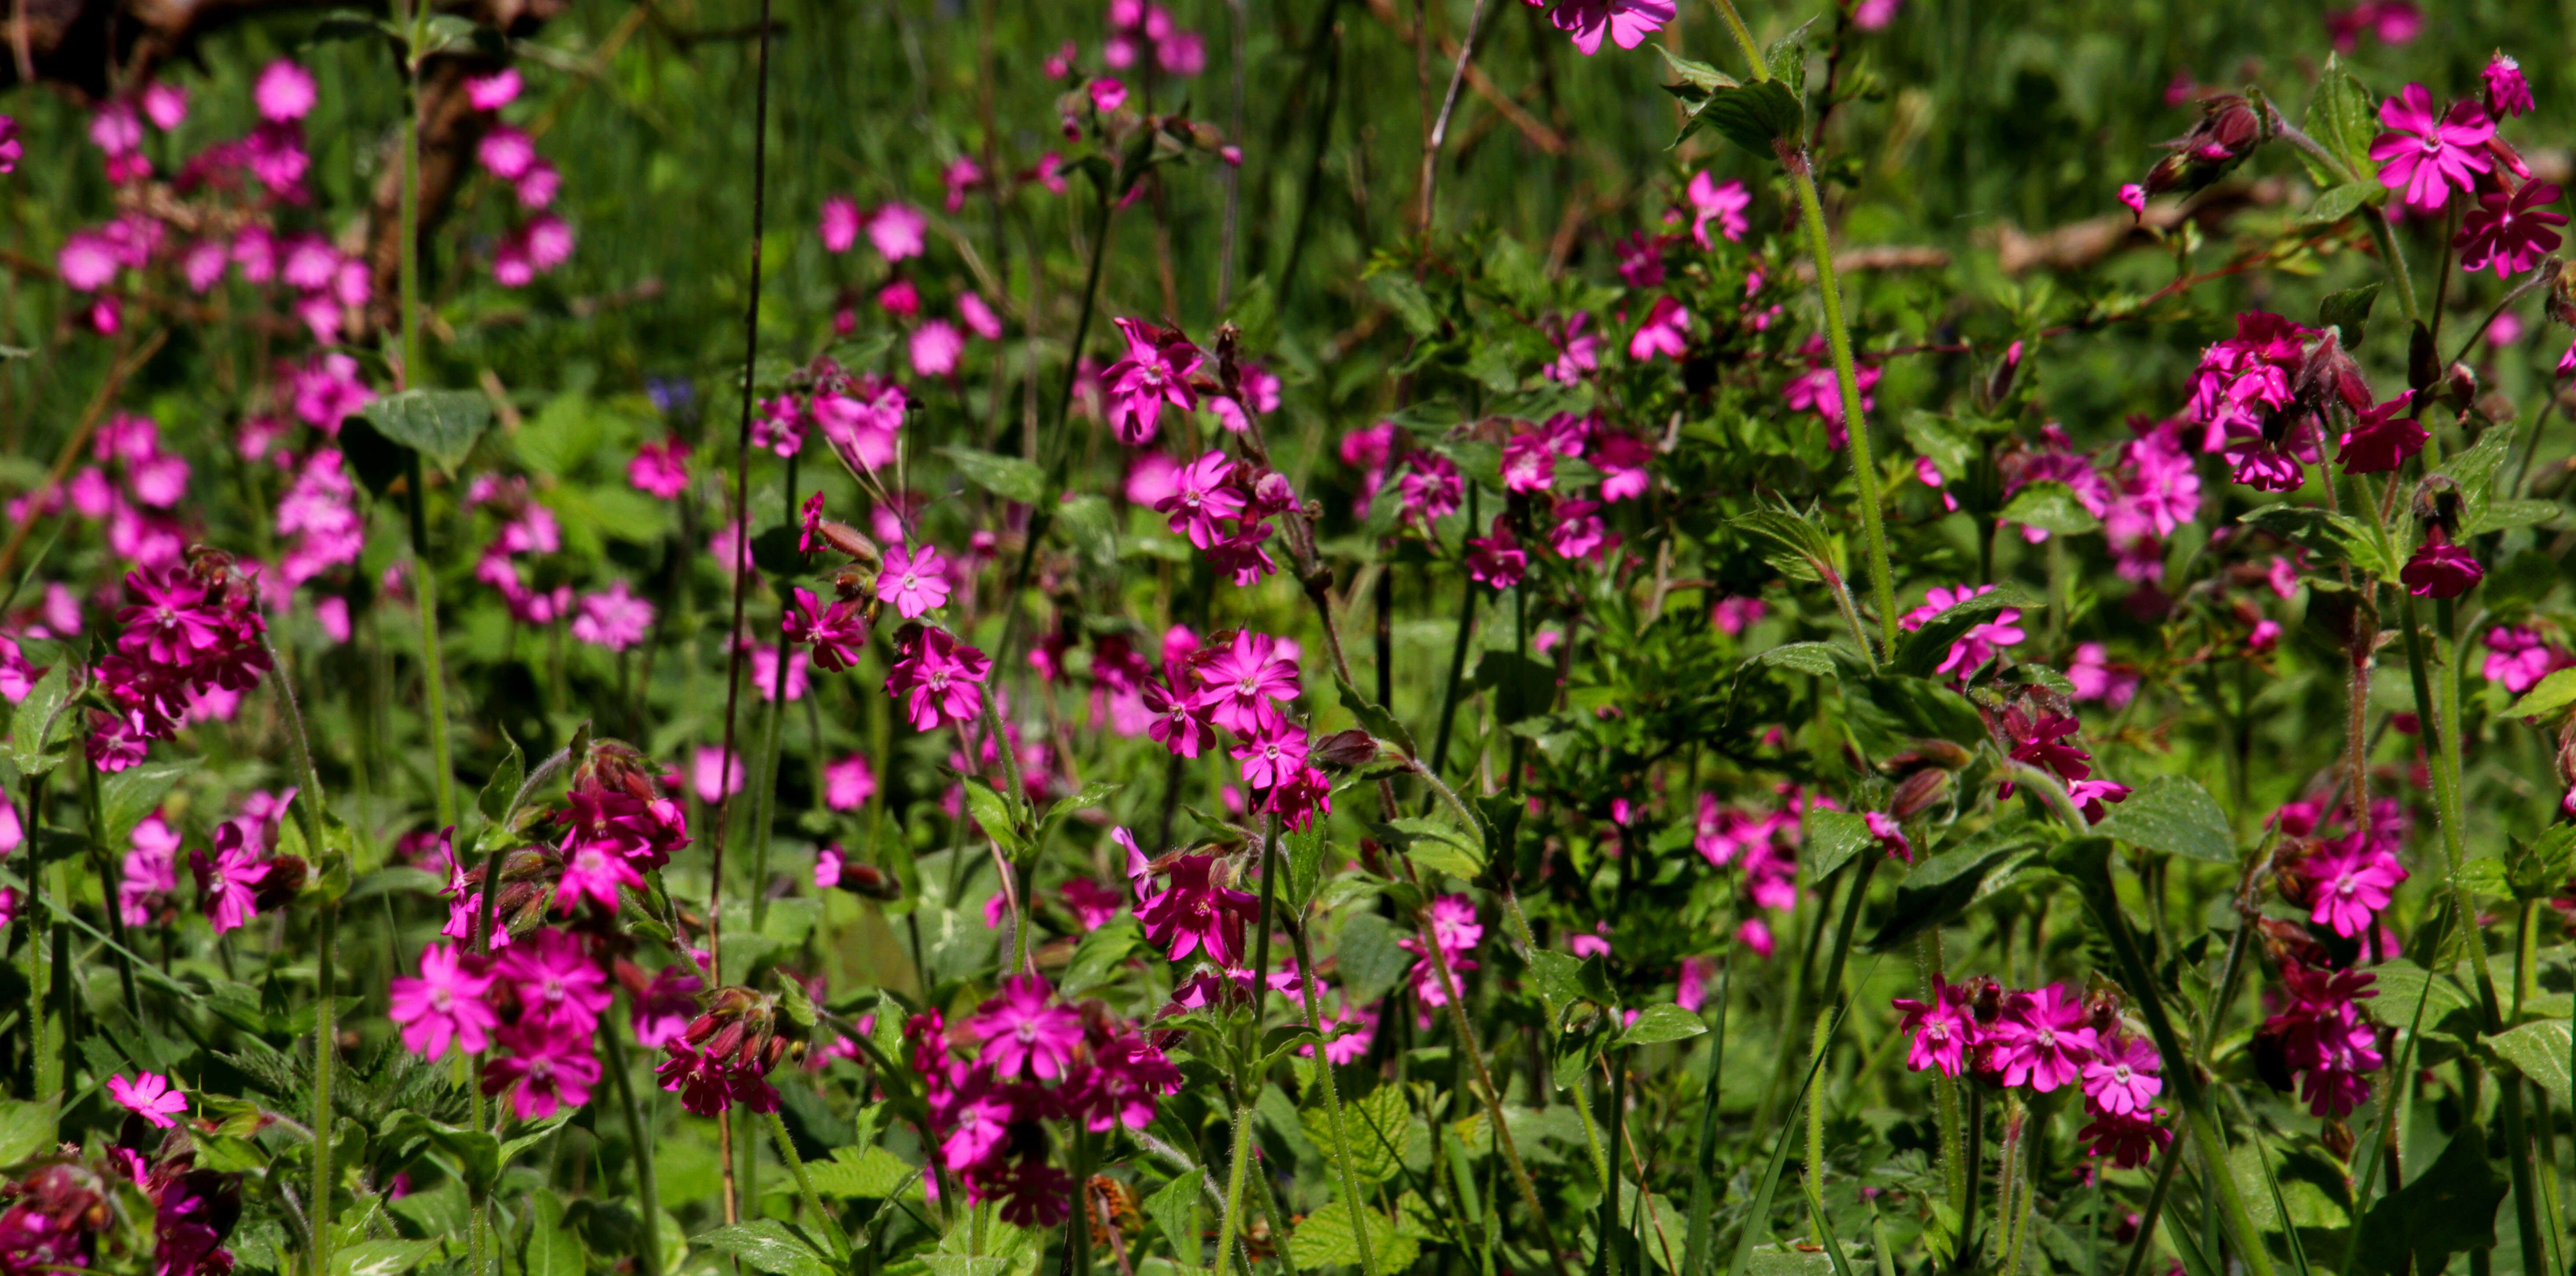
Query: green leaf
(1302, 866)
(1098, 955)
(1436, 843)
(871, 1173)
(131, 794)
(26, 1130)
(2538, 1050)
(1522, 687)
(2051, 506)
(1557, 978)
(530, 1136)
(2349, 311)
(1405, 297)
(1007, 477)
(2335, 204)
(552, 1248)
(2504, 516)
(996, 814)
(1375, 719)
(1326, 1239)
(2475, 472)
(769, 1245)
(1661, 1022)
(1699, 77)
(1089, 797)
(2173, 814)
(381, 1258)
(1832, 838)
(1175, 1211)
(2338, 537)
(2447, 1208)
(2344, 119)
(1889, 711)
(1378, 1123)
(2401, 984)
(440, 425)
(1799, 551)
(1945, 884)
(1368, 958)
(504, 785)
(1786, 58)
(1812, 658)
(1753, 116)
(43, 721)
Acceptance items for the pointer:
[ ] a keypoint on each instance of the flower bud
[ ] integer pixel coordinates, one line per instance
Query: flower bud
(869, 880)
(1919, 792)
(285, 876)
(1344, 750)
(850, 541)
(2329, 375)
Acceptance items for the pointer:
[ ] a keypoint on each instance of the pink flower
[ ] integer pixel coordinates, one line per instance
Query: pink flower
(1107, 94)
(2127, 1140)
(1579, 534)
(1155, 372)
(2095, 678)
(1890, 834)
(1023, 1033)
(914, 580)
(2122, 1080)
(2425, 157)
(2439, 568)
(2511, 231)
(2351, 888)
(935, 347)
(848, 783)
(1666, 331)
(1980, 644)
(714, 774)
(895, 231)
(506, 153)
(1194, 913)
(838, 632)
(1243, 686)
(2517, 659)
(494, 91)
(1944, 1033)
(613, 618)
(2042, 1040)
(227, 884)
(10, 147)
(1273, 756)
(557, 983)
(977, 314)
(1628, 22)
(1723, 203)
(2507, 92)
(284, 92)
(151, 868)
(2382, 438)
(1496, 558)
(1431, 488)
(1202, 493)
(939, 678)
(1874, 15)
(150, 1096)
(665, 1007)
(840, 224)
(1529, 464)
(445, 1005)
(544, 1069)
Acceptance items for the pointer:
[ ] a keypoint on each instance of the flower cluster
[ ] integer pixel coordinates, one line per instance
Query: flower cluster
(61, 1213)
(536, 1003)
(2046, 1039)
(2320, 1038)
(1240, 682)
(619, 822)
(1022, 1060)
(184, 633)
(1764, 847)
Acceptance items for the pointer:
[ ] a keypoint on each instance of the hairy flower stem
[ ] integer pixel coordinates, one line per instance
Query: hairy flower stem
(648, 1251)
(433, 666)
(1332, 1098)
(325, 1051)
(1811, 211)
(805, 1187)
(2442, 712)
(1606, 1234)
(764, 800)
(1493, 1098)
(2009, 1184)
(1928, 975)
(2397, 271)
(1231, 1224)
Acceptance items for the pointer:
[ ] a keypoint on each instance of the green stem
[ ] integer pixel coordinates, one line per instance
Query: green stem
(324, 1052)
(1811, 212)
(1333, 1101)
(1815, 1175)
(433, 669)
(2397, 271)
(1606, 1233)
(2155, 1208)
(805, 1187)
(1227, 1226)
(1954, 1166)
(648, 1252)
(1695, 1241)
(764, 803)
(107, 891)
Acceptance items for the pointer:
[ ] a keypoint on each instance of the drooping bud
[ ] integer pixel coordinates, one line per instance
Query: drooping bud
(1919, 792)
(2330, 375)
(1345, 750)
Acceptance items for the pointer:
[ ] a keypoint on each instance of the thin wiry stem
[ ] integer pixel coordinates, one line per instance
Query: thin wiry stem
(1439, 135)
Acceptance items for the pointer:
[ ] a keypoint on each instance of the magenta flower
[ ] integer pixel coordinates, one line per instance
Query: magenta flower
(10, 147)
(1579, 534)
(935, 348)
(2507, 92)
(848, 783)
(284, 92)
(1272, 755)
(1155, 372)
(227, 885)
(663, 1010)
(1666, 331)
(838, 632)
(2439, 568)
(2042, 1039)
(1431, 488)
(1496, 558)
(150, 1096)
(2510, 231)
(494, 91)
(840, 224)
(1242, 686)
(2381, 438)
(1529, 464)
(2128, 1141)
(445, 1005)
(1578, 352)
(1202, 493)
(2426, 157)
(915, 581)
(2517, 659)
(1023, 1032)
(1721, 202)
(895, 231)
(1980, 644)
(2270, 463)
(1627, 22)
(594, 871)
(614, 618)
(1944, 1032)
(1180, 724)
(552, 974)
(939, 678)
(2122, 1080)
(1194, 913)
(544, 1069)
(151, 867)
(1127, 1076)
(2134, 197)
(2351, 888)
